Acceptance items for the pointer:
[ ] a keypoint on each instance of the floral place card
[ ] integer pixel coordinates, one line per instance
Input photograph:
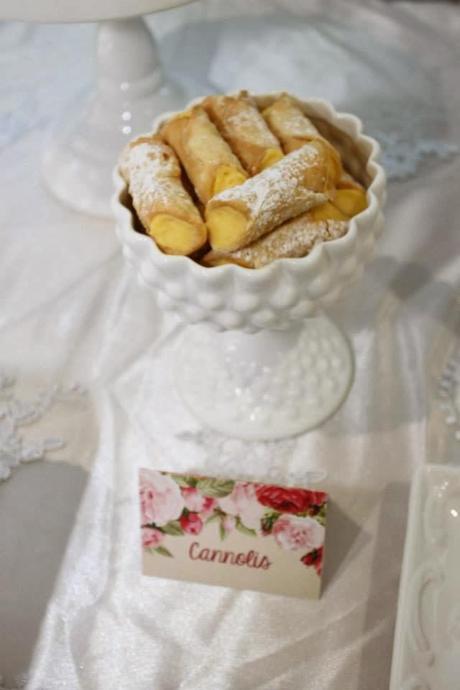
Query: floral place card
(238, 534)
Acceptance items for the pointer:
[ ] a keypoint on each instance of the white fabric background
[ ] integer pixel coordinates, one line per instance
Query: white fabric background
(71, 311)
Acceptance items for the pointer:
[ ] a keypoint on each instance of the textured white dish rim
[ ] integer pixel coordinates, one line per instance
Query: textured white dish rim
(409, 564)
(328, 112)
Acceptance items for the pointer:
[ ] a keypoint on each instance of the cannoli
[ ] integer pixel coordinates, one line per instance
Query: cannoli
(165, 209)
(299, 181)
(293, 128)
(289, 124)
(242, 125)
(296, 238)
(207, 158)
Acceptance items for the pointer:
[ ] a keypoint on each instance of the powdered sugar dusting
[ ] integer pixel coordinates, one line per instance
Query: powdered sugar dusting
(276, 194)
(201, 149)
(299, 126)
(288, 121)
(152, 171)
(249, 123)
(293, 239)
(147, 167)
(239, 117)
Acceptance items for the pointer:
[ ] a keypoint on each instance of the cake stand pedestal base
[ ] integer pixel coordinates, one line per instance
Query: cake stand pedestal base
(131, 91)
(268, 385)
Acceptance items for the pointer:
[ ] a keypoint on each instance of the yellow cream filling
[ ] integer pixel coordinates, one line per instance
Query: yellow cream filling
(350, 201)
(227, 176)
(227, 228)
(327, 211)
(270, 157)
(176, 236)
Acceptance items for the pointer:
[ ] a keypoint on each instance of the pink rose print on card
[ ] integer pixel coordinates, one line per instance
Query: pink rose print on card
(196, 502)
(208, 507)
(228, 523)
(243, 503)
(151, 537)
(161, 498)
(293, 533)
(231, 524)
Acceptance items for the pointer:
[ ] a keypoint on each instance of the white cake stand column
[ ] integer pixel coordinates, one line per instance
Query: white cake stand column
(267, 385)
(131, 90)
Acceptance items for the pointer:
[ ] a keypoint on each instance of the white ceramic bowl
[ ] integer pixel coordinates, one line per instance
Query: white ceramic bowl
(275, 296)
(277, 369)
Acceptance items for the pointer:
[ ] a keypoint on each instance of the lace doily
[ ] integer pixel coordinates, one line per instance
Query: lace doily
(17, 444)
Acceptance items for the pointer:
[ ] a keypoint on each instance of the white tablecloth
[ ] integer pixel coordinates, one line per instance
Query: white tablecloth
(72, 312)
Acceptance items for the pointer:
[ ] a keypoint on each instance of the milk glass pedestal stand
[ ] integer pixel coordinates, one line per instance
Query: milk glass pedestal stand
(259, 360)
(265, 385)
(130, 91)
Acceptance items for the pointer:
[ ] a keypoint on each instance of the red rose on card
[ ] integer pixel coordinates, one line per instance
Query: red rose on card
(191, 523)
(288, 500)
(314, 558)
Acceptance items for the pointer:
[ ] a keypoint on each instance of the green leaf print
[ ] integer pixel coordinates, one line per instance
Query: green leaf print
(173, 528)
(245, 530)
(268, 521)
(163, 551)
(215, 488)
(321, 515)
(184, 481)
(212, 518)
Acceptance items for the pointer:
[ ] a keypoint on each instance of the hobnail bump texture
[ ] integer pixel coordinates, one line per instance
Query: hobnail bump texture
(267, 385)
(277, 295)
(276, 369)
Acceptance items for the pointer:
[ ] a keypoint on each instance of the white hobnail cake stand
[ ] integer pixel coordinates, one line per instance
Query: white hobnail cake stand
(131, 90)
(259, 359)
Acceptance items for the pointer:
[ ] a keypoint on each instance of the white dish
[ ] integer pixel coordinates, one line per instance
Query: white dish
(280, 294)
(426, 653)
(278, 367)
